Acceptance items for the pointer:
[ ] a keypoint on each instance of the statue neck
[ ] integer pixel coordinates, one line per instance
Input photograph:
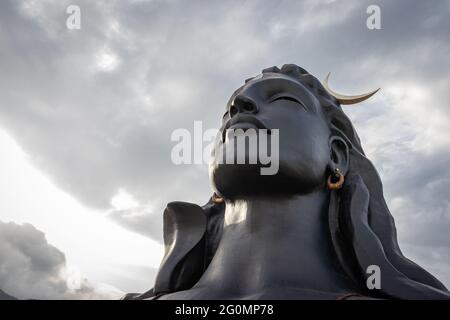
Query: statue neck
(276, 242)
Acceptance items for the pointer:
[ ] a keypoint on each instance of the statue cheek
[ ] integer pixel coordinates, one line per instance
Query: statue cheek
(306, 169)
(309, 162)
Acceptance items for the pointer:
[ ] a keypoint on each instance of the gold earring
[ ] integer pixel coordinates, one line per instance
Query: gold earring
(217, 199)
(335, 180)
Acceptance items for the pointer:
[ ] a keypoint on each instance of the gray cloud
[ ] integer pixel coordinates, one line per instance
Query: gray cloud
(138, 220)
(31, 268)
(94, 130)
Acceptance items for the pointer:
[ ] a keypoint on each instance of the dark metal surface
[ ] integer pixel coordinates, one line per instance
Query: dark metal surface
(287, 236)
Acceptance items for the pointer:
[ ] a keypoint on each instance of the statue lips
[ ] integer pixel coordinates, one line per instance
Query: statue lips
(244, 122)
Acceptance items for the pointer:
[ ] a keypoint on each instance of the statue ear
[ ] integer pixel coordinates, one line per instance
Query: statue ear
(339, 154)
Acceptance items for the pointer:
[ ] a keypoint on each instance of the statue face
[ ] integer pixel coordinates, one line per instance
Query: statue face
(276, 101)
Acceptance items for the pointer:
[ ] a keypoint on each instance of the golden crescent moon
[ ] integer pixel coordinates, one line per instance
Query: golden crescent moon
(345, 99)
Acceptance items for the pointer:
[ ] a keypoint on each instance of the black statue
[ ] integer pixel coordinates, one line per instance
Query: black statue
(308, 232)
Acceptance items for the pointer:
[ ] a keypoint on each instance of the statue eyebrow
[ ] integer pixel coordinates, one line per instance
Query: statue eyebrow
(287, 96)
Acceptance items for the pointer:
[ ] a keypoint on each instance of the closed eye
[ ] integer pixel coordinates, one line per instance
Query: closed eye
(289, 98)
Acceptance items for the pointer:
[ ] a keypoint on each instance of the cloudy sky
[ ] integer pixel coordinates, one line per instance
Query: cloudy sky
(86, 118)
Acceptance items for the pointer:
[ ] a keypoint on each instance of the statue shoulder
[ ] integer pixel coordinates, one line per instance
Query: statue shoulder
(190, 237)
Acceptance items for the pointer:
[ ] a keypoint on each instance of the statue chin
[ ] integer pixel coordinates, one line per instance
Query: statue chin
(234, 181)
(226, 177)
(289, 168)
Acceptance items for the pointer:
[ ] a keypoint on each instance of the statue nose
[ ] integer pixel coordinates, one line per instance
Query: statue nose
(243, 104)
